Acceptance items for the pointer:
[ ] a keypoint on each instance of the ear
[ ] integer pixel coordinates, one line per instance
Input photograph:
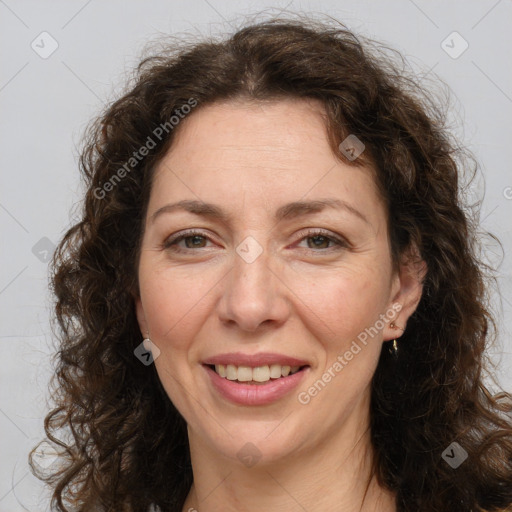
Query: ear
(406, 290)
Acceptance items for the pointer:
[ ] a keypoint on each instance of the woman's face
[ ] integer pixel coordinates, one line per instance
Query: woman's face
(277, 257)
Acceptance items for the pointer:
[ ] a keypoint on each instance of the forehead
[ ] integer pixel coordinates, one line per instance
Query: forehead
(268, 153)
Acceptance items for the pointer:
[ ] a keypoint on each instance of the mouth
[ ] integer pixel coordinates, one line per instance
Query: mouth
(258, 375)
(254, 385)
(255, 379)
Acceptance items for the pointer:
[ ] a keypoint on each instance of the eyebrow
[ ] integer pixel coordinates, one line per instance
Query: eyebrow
(287, 211)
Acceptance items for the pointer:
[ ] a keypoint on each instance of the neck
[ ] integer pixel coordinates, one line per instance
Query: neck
(336, 475)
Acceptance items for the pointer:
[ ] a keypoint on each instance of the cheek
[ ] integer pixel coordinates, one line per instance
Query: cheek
(175, 302)
(343, 301)
(344, 310)
(175, 305)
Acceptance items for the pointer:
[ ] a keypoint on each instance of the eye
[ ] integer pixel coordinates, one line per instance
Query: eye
(320, 240)
(192, 239)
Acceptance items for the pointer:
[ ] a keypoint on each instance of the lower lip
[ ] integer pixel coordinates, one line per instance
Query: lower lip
(255, 394)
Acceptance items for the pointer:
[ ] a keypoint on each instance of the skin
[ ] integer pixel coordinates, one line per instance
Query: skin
(303, 296)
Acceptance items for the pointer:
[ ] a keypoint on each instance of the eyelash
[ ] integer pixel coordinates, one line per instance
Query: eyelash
(171, 243)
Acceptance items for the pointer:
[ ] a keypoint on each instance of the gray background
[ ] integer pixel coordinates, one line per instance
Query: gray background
(46, 103)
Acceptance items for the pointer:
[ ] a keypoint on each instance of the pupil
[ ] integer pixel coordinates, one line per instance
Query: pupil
(322, 239)
(194, 239)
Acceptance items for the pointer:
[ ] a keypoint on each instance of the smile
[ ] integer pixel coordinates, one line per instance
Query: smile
(252, 392)
(259, 374)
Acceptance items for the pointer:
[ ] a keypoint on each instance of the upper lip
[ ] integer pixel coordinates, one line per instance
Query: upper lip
(254, 360)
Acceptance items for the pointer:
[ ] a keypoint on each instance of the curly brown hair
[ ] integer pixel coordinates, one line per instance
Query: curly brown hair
(124, 445)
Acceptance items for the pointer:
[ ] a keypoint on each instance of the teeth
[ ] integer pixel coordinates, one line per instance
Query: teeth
(260, 374)
(257, 374)
(275, 371)
(244, 373)
(231, 372)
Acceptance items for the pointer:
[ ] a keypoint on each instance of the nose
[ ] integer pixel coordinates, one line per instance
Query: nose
(254, 295)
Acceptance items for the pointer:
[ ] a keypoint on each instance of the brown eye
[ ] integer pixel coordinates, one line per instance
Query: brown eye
(192, 240)
(322, 241)
(319, 242)
(195, 241)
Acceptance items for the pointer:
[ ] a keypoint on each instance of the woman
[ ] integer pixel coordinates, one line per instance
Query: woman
(273, 300)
